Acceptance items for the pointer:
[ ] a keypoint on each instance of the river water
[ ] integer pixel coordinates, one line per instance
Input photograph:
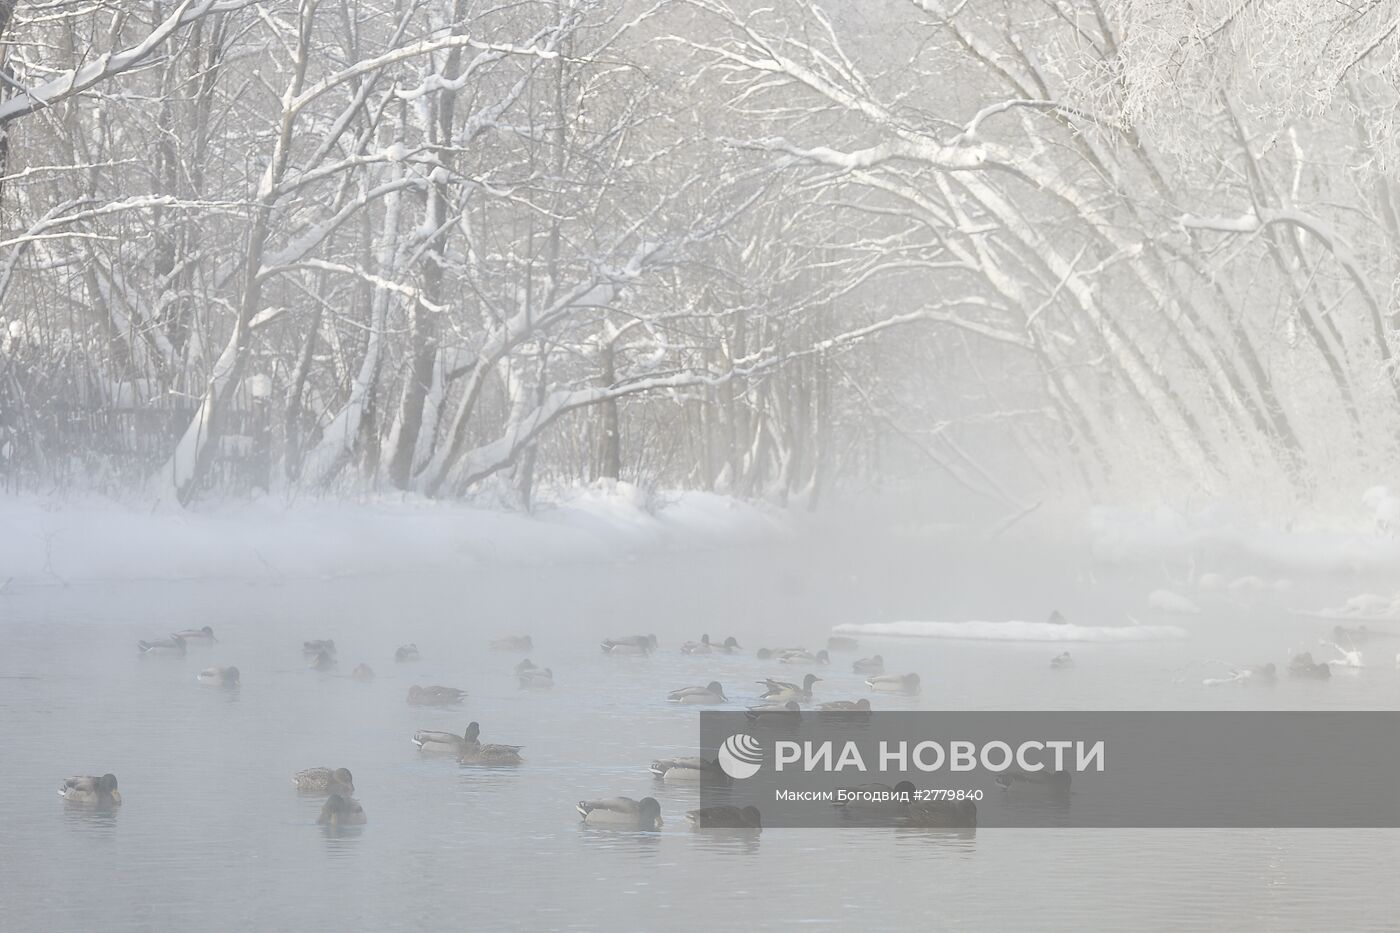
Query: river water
(212, 834)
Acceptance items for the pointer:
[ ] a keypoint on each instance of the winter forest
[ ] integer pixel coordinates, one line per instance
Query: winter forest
(1025, 248)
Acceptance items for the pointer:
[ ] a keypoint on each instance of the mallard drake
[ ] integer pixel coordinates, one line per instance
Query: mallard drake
(363, 673)
(845, 706)
(325, 781)
(435, 696)
(443, 743)
(173, 646)
(218, 676)
(907, 684)
(205, 634)
(1062, 661)
(514, 643)
(946, 814)
(630, 645)
(804, 657)
(782, 690)
(872, 665)
(724, 818)
(708, 695)
(705, 646)
(536, 678)
(473, 752)
(406, 653)
(622, 812)
(686, 770)
(1303, 665)
(98, 791)
(323, 661)
(340, 810)
(313, 648)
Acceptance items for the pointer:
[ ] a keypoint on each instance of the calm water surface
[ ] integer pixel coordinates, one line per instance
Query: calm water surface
(212, 835)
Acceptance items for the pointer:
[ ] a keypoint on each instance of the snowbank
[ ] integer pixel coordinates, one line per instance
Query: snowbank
(1016, 631)
(91, 540)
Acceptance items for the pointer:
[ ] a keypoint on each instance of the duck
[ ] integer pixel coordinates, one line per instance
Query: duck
(842, 643)
(513, 643)
(473, 752)
(871, 665)
(435, 696)
(523, 666)
(845, 706)
(205, 634)
(907, 684)
(1061, 661)
(173, 646)
(445, 743)
(1303, 665)
(218, 676)
(406, 653)
(536, 678)
(323, 661)
(944, 814)
(622, 812)
(99, 791)
(708, 695)
(705, 646)
(782, 690)
(340, 810)
(804, 657)
(1056, 618)
(630, 645)
(325, 781)
(686, 770)
(774, 712)
(315, 647)
(724, 818)
(764, 654)
(363, 673)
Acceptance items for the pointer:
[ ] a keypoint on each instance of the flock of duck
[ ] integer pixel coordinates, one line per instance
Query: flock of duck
(336, 784)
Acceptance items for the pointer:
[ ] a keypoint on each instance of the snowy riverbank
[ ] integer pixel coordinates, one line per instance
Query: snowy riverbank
(45, 541)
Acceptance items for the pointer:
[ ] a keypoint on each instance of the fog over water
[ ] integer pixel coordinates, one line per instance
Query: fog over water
(212, 832)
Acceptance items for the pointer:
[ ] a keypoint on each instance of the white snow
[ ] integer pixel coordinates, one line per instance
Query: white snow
(1015, 630)
(1169, 601)
(92, 540)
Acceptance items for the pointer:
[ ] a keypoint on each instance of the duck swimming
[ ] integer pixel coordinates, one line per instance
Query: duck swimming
(173, 646)
(536, 678)
(705, 646)
(406, 653)
(630, 645)
(513, 643)
(782, 690)
(907, 684)
(845, 706)
(473, 752)
(775, 713)
(435, 696)
(218, 676)
(709, 695)
(323, 661)
(804, 657)
(872, 665)
(340, 810)
(205, 634)
(313, 648)
(622, 812)
(323, 781)
(687, 770)
(1061, 661)
(363, 673)
(95, 791)
(724, 818)
(444, 743)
